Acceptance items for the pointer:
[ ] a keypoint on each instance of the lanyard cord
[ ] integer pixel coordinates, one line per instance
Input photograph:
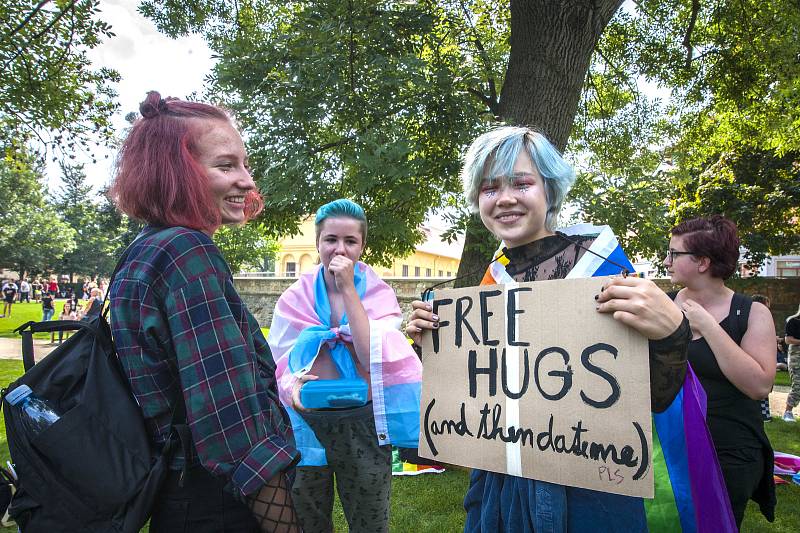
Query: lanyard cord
(427, 293)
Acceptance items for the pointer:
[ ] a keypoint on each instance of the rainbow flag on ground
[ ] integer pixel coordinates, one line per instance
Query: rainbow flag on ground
(401, 468)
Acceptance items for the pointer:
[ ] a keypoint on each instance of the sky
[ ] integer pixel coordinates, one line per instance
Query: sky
(146, 60)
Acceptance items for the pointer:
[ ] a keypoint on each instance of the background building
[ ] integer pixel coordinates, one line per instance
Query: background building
(433, 258)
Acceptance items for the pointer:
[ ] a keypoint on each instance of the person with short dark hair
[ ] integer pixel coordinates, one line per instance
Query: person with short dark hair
(48, 309)
(184, 335)
(733, 353)
(792, 340)
(9, 296)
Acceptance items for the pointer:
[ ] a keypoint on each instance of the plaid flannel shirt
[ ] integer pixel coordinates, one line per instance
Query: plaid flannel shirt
(180, 327)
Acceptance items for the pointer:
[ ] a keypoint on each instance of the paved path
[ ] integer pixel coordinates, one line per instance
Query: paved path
(12, 348)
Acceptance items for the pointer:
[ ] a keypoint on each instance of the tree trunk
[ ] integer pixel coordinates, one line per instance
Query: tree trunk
(479, 245)
(552, 43)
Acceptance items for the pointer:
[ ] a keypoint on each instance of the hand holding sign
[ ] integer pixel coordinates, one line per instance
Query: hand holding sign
(640, 304)
(421, 319)
(529, 379)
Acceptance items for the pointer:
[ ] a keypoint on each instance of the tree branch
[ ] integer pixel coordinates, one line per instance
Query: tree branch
(491, 100)
(25, 21)
(351, 46)
(328, 146)
(67, 47)
(642, 8)
(23, 121)
(348, 138)
(53, 22)
(687, 39)
(47, 28)
(598, 99)
(621, 73)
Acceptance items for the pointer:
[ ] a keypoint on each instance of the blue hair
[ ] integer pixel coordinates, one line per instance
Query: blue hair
(493, 154)
(341, 208)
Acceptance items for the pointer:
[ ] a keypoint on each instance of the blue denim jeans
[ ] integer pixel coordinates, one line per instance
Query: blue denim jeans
(47, 314)
(498, 502)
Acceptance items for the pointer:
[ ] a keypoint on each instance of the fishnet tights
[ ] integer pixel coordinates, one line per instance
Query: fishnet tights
(273, 509)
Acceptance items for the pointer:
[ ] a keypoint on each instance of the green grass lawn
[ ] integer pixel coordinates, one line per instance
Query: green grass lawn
(10, 370)
(24, 312)
(785, 437)
(432, 503)
(782, 378)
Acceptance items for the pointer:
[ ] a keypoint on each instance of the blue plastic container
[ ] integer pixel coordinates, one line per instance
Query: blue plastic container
(334, 393)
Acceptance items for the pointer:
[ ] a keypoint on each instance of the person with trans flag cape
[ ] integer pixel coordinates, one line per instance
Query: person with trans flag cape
(340, 323)
(517, 181)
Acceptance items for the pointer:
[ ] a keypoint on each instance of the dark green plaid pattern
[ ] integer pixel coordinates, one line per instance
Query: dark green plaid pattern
(179, 325)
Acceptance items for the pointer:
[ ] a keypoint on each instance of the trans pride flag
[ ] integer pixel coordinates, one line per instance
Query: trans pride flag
(301, 325)
(690, 493)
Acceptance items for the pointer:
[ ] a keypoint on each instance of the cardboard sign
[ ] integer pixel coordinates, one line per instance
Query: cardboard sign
(530, 380)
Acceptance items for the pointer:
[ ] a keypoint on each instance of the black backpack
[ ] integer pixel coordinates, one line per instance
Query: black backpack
(94, 469)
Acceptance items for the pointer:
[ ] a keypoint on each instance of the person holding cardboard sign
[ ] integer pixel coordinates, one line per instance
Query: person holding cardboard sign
(733, 352)
(348, 377)
(517, 181)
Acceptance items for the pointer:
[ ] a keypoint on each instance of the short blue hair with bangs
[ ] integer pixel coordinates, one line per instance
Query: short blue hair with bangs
(493, 154)
(341, 208)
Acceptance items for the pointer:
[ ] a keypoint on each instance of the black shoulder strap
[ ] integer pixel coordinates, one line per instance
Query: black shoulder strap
(739, 315)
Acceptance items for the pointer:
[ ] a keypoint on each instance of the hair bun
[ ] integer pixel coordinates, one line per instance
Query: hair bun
(153, 105)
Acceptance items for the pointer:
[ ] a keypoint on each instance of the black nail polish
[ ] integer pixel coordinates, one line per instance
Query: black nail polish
(596, 296)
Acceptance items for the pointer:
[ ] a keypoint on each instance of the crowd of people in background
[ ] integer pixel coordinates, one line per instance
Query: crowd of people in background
(79, 304)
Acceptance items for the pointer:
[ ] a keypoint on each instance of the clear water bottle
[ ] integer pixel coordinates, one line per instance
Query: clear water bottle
(37, 414)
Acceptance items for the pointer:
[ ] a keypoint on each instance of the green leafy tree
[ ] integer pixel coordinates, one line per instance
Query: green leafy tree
(245, 247)
(48, 91)
(347, 98)
(121, 228)
(730, 124)
(758, 190)
(95, 238)
(32, 237)
(376, 100)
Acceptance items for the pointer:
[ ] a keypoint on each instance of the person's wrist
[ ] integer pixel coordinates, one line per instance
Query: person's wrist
(349, 292)
(683, 330)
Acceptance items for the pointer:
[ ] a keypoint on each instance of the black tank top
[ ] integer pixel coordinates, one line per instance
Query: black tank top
(734, 419)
